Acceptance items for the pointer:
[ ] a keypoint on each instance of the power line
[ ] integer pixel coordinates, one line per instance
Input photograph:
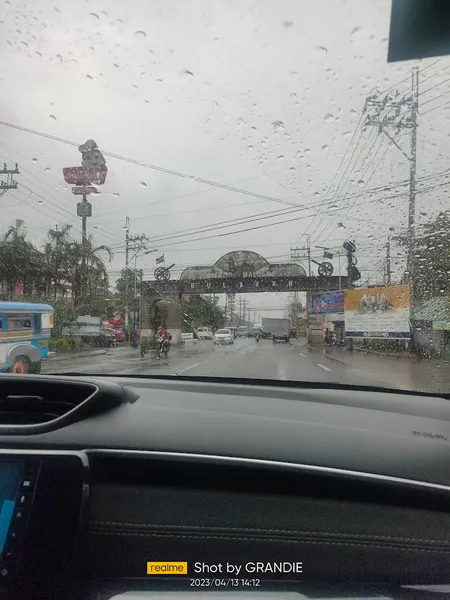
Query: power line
(153, 167)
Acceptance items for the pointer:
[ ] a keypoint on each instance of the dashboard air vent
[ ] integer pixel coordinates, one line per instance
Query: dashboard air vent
(37, 404)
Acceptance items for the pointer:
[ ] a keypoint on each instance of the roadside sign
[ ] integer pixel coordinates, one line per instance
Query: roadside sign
(84, 176)
(84, 191)
(84, 209)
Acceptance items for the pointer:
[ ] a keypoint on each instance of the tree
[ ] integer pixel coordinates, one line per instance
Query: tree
(431, 270)
(199, 312)
(20, 261)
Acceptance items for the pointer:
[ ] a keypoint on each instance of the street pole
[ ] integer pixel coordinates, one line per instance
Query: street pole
(83, 253)
(127, 243)
(412, 179)
(388, 262)
(339, 270)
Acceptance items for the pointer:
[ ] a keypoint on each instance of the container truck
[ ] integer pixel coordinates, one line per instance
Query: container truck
(277, 329)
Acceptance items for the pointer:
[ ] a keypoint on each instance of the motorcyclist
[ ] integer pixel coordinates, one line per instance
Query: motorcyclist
(163, 335)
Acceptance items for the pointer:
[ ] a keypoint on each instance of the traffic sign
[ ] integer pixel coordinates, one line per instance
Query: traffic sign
(84, 191)
(84, 209)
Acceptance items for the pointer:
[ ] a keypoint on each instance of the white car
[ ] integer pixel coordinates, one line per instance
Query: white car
(204, 333)
(224, 336)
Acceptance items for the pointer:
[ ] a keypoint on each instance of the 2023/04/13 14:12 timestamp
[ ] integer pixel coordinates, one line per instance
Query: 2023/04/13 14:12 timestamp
(223, 583)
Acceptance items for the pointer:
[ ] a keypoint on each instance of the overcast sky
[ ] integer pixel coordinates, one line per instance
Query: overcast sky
(264, 95)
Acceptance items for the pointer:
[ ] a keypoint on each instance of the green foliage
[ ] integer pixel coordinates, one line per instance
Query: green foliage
(62, 344)
(65, 268)
(432, 259)
(199, 312)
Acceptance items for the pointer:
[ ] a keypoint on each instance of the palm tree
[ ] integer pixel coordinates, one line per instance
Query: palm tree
(89, 275)
(20, 261)
(56, 253)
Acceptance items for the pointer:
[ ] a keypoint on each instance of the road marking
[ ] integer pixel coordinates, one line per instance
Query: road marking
(323, 367)
(301, 354)
(192, 366)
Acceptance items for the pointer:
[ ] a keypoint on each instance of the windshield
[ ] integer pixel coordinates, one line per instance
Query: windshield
(223, 332)
(199, 165)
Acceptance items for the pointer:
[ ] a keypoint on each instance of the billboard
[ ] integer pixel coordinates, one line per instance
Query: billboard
(323, 303)
(378, 312)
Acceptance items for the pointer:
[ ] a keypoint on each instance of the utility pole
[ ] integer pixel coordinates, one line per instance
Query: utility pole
(9, 184)
(412, 174)
(388, 263)
(139, 244)
(395, 113)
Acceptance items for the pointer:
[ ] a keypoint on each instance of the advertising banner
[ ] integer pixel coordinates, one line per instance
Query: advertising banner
(378, 312)
(322, 303)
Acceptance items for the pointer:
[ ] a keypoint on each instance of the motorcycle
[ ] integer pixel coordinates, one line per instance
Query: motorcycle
(257, 338)
(162, 347)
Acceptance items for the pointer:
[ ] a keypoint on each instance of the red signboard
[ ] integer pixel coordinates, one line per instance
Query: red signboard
(80, 191)
(115, 321)
(83, 176)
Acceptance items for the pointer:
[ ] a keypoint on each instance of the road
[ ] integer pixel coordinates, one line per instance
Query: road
(295, 361)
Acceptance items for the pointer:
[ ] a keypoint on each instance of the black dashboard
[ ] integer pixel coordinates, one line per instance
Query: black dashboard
(111, 485)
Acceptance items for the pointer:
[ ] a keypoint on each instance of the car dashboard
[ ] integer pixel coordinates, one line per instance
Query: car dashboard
(116, 485)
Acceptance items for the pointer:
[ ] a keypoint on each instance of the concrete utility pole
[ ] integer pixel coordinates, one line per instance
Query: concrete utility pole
(395, 112)
(138, 242)
(388, 263)
(9, 184)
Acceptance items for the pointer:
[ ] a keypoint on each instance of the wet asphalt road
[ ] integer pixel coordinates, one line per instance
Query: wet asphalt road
(264, 360)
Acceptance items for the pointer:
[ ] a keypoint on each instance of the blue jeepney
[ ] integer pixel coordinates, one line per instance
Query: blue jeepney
(24, 336)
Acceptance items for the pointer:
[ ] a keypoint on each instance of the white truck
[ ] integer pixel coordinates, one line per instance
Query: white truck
(277, 328)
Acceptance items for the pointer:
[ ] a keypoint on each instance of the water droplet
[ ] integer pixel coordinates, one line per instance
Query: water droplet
(355, 29)
(116, 194)
(24, 44)
(329, 118)
(94, 16)
(34, 160)
(293, 74)
(278, 125)
(143, 184)
(140, 34)
(186, 72)
(361, 183)
(253, 128)
(52, 117)
(292, 169)
(59, 58)
(316, 194)
(250, 147)
(322, 49)
(307, 151)
(281, 157)
(89, 77)
(352, 111)
(47, 169)
(287, 24)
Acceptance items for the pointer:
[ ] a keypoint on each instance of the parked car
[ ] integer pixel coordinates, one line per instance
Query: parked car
(119, 335)
(224, 336)
(242, 331)
(102, 340)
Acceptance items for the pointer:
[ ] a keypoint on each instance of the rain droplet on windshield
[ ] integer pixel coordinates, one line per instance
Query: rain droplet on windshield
(52, 117)
(322, 49)
(361, 183)
(278, 125)
(143, 184)
(292, 169)
(287, 24)
(186, 72)
(89, 77)
(329, 118)
(47, 169)
(281, 157)
(34, 160)
(140, 34)
(325, 148)
(94, 16)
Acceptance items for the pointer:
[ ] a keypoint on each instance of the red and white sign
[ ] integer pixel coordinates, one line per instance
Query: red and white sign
(84, 191)
(84, 176)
